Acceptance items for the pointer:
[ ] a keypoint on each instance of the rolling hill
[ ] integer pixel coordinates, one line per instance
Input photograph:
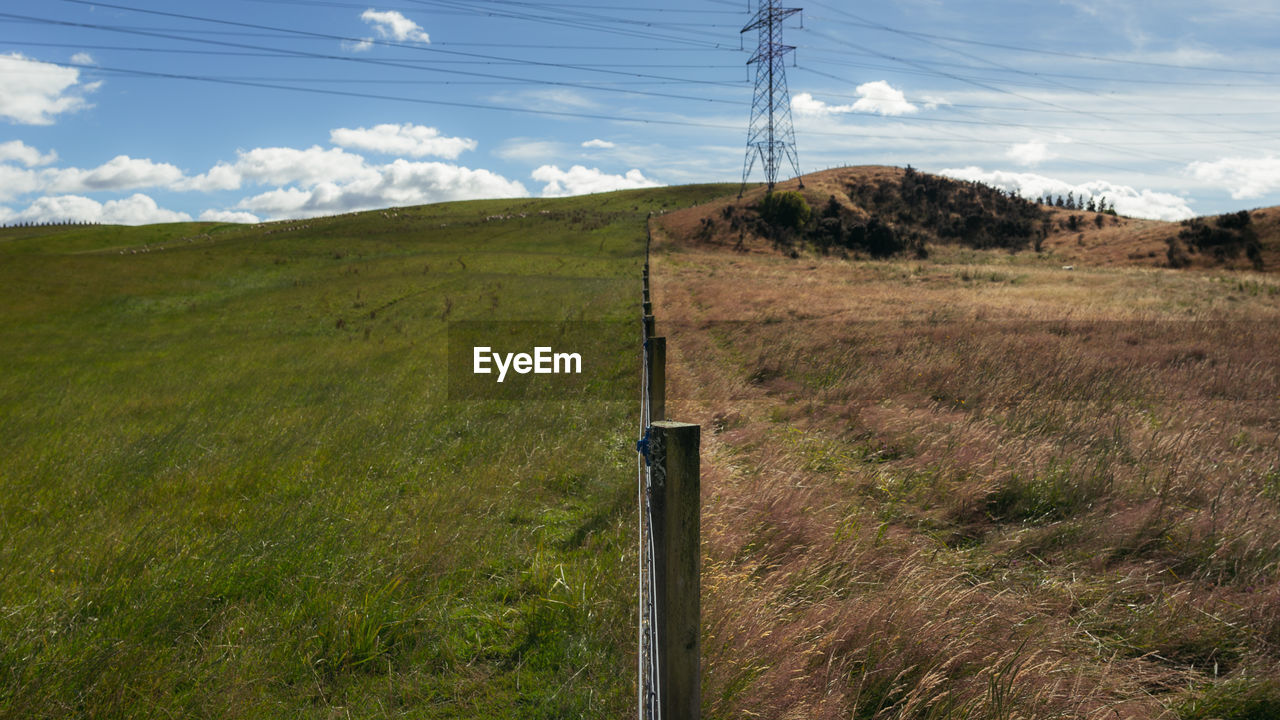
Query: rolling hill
(913, 209)
(943, 477)
(234, 483)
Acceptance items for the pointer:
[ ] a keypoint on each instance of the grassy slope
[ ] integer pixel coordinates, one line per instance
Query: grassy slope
(979, 486)
(230, 485)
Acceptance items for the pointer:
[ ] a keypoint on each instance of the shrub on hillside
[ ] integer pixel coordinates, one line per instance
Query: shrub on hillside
(1225, 236)
(785, 210)
(943, 209)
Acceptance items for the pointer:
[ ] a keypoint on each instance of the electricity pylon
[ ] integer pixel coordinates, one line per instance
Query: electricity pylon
(770, 134)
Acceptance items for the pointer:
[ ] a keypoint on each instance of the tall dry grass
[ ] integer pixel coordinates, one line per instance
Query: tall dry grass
(981, 487)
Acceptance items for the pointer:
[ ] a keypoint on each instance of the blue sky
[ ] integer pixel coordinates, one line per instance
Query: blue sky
(147, 111)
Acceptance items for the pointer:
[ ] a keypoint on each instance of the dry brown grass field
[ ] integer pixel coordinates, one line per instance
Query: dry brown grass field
(980, 485)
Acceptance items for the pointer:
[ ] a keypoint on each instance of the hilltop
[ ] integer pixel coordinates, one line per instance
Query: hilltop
(880, 211)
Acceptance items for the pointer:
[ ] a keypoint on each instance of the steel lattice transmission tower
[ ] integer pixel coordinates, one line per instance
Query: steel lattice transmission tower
(770, 135)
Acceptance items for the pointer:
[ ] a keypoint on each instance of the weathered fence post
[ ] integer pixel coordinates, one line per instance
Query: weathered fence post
(648, 326)
(657, 379)
(676, 508)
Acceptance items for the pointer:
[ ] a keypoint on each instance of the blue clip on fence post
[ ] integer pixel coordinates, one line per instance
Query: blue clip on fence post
(642, 446)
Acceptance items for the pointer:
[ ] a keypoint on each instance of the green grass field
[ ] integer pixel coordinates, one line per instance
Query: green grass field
(231, 485)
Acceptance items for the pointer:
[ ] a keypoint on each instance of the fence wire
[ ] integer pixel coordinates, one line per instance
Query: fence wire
(648, 689)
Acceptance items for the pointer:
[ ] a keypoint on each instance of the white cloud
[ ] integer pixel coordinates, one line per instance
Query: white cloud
(881, 97)
(119, 173)
(25, 154)
(219, 177)
(137, 209)
(1246, 178)
(407, 139)
(83, 58)
(391, 24)
(579, 180)
(15, 182)
(285, 166)
(34, 92)
(364, 45)
(874, 97)
(1030, 153)
(229, 216)
(932, 102)
(398, 183)
(526, 150)
(1128, 200)
(598, 143)
(806, 105)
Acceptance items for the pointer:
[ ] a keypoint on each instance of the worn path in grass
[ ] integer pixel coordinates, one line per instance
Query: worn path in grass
(231, 485)
(980, 486)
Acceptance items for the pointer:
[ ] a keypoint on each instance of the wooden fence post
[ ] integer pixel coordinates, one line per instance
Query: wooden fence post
(676, 509)
(657, 379)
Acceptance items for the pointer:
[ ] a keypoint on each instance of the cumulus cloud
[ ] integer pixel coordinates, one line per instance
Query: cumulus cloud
(25, 154)
(83, 58)
(1245, 178)
(1128, 200)
(598, 143)
(579, 180)
(15, 182)
(119, 173)
(137, 209)
(285, 166)
(399, 183)
(877, 97)
(34, 92)
(222, 176)
(393, 25)
(1030, 153)
(408, 139)
(806, 104)
(882, 98)
(229, 216)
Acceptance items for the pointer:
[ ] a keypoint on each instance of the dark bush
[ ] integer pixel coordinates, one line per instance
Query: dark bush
(785, 210)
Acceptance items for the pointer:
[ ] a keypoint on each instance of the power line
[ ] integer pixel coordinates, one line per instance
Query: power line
(1036, 74)
(988, 86)
(387, 63)
(1054, 82)
(374, 41)
(861, 22)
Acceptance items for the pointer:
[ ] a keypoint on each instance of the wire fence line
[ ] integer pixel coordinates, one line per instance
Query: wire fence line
(647, 656)
(669, 557)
